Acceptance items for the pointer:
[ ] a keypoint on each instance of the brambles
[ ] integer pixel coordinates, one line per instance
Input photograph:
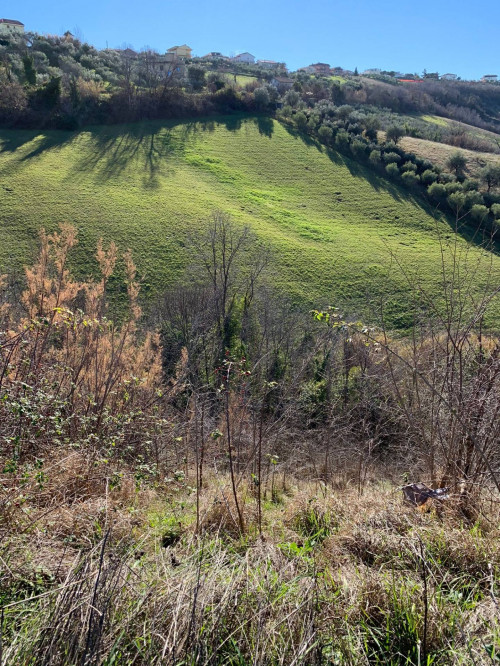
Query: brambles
(242, 502)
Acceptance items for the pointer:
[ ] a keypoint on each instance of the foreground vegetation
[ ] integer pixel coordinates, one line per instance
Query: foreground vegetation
(338, 577)
(224, 489)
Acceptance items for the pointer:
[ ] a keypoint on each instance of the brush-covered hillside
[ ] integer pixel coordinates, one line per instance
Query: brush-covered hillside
(339, 233)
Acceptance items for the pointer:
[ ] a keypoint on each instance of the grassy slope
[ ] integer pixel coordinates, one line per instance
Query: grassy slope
(332, 223)
(439, 153)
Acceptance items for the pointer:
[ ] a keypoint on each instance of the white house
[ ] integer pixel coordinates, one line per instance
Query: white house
(372, 71)
(246, 57)
(490, 78)
(449, 77)
(9, 27)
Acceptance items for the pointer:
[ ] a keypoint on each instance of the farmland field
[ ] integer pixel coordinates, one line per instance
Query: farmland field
(339, 233)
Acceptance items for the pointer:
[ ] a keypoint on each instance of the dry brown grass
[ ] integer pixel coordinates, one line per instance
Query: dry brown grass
(439, 153)
(296, 591)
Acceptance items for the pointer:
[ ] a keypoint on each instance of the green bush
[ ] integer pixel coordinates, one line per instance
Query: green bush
(358, 149)
(473, 199)
(391, 158)
(410, 179)
(375, 158)
(457, 202)
(301, 120)
(342, 140)
(392, 170)
(478, 212)
(437, 191)
(325, 134)
(428, 177)
(409, 166)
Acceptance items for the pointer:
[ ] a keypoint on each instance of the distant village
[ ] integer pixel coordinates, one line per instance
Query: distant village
(175, 58)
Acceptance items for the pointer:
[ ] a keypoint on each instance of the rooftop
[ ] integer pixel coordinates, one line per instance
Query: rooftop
(11, 21)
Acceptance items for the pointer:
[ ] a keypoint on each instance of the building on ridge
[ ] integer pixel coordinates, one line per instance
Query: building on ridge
(183, 51)
(10, 28)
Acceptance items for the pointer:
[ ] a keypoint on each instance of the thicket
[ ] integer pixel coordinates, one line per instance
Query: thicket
(355, 133)
(218, 403)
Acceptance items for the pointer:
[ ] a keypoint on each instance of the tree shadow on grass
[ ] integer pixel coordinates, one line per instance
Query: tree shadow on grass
(150, 144)
(13, 142)
(265, 125)
(113, 149)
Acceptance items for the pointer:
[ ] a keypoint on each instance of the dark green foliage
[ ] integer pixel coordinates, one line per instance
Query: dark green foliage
(428, 177)
(456, 163)
(301, 120)
(490, 176)
(375, 158)
(479, 212)
(48, 97)
(342, 140)
(410, 179)
(456, 202)
(196, 76)
(394, 133)
(29, 70)
(392, 170)
(391, 158)
(358, 149)
(262, 98)
(437, 191)
(325, 134)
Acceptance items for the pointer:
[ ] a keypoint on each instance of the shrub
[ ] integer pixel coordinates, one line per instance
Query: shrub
(473, 198)
(453, 187)
(358, 149)
(437, 191)
(261, 97)
(495, 209)
(394, 133)
(409, 166)
(342, 140)
(456, 163)
(391, 158)
(470, 184)
(392, 170)
(410, 179)
(478, 212)
(301, 120)
(325, 134)
(375, 158)
(428, 177)
(457, 202)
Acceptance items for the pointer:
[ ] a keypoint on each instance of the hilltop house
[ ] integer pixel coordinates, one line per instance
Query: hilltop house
(282, 83)
(183, 51)
(371, 72)
(246, 57)
(10, 27)
(449, 77)
(271, 64)
(490, 78)
(319, 68)
(214, 55)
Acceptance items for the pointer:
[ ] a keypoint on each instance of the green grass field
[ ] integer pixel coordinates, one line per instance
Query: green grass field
(334, 226)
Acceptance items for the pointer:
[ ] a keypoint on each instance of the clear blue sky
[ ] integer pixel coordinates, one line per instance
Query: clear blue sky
(456, 36)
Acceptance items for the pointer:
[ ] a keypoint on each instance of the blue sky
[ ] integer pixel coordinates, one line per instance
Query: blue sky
(438, 35)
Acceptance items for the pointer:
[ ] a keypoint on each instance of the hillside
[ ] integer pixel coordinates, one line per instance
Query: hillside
(332, 224)
(439, 153)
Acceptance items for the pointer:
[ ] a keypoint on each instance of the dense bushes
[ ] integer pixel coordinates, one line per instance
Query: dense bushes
(349, 131)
